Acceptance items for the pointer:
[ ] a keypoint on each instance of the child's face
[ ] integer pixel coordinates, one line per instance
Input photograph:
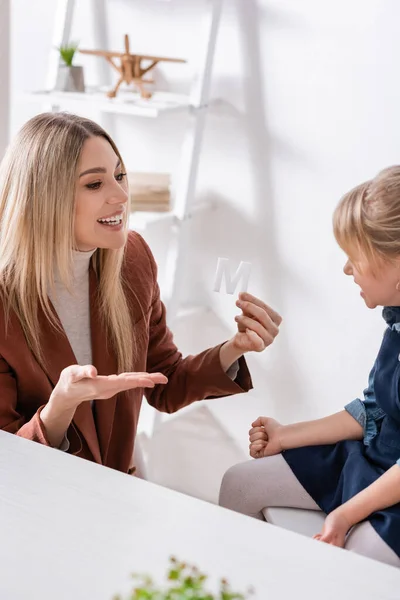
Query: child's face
(378, 286)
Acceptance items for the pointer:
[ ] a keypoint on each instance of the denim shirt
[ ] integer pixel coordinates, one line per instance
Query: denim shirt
(366, 411)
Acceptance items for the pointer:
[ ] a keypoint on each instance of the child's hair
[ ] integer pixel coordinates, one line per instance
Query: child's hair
(367, 219)
(37, 207)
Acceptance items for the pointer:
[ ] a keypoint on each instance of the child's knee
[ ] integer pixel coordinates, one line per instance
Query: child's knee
(233, 483)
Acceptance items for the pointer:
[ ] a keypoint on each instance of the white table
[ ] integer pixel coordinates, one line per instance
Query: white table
(72, 530)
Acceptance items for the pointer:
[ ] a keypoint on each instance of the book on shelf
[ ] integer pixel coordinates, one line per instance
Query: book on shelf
(149, 192)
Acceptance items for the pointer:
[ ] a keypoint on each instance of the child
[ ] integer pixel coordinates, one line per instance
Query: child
(347, 464)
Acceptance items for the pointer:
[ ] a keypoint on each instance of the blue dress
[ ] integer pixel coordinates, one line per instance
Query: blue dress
(334, 473)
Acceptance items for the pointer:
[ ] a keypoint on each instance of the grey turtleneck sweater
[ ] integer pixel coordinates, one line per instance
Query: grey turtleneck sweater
(73, 308)
(74, 312)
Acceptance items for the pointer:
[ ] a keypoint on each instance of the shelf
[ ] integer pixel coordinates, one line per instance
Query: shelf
(126, 103)
(140, 220)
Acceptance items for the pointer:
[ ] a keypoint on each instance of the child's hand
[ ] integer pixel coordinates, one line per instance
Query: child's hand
(335, 529)
(264, 437)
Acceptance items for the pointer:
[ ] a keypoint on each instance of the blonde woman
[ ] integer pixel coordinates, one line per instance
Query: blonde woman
(82, 328)
(347, 464)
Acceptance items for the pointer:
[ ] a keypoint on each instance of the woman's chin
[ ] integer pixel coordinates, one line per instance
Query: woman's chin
(113, 242)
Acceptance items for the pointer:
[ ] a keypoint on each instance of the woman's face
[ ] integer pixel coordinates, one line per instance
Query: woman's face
(101, 198)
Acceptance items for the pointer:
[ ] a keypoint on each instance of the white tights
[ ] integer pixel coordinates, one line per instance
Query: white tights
(251, 486)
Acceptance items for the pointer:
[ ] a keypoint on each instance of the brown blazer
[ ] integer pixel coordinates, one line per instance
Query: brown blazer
(106, 434)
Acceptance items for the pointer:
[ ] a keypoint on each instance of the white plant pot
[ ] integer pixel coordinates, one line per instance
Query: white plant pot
(70, 79)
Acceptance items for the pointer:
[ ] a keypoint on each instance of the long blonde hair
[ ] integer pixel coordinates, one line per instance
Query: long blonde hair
(367, 219)
(37, 201)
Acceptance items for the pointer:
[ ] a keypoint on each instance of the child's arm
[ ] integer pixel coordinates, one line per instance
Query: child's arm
(384, 492)
(328, 430)
(360, 420)
(268, 437)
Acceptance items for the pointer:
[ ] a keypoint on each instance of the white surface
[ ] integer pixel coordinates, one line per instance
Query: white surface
(139, 220)
(191, 154)
(306, 522)
(190, 453)
(126, 103)
(4, 74)
(71, 529)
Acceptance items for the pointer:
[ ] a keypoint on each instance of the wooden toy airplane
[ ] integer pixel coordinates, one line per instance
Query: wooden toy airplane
(130, 68)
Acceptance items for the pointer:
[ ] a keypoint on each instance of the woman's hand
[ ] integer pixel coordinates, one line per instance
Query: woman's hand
(335, 529)
(79, 384)
(264, 437)
(258, 325)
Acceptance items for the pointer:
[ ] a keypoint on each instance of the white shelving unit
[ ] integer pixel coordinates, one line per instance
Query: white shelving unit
(129, 103)
(126, 103)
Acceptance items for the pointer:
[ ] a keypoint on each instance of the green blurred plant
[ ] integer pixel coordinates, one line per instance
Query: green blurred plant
(67, 52)
(185, 582)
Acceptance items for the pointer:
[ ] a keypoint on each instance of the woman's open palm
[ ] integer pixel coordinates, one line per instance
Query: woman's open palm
(79, 384)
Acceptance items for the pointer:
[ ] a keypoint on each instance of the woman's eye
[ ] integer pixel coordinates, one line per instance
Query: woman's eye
(94, 186)
(120, 176)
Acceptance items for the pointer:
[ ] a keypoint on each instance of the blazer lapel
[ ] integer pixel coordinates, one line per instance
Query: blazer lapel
(58, 355)
(105, 362)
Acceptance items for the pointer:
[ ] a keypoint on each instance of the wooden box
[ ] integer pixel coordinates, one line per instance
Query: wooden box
(149, 191)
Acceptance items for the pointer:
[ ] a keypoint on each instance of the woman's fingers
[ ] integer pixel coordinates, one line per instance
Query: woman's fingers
(248, 303)
(248, 323)
(134, 377)
(256, 315)
(78, 372)
(109, 385)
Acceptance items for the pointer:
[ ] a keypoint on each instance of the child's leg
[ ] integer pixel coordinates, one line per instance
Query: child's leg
(251, 486)
(364, 540)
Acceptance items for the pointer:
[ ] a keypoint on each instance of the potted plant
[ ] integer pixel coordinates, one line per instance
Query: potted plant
(69, 76)
(184, 582)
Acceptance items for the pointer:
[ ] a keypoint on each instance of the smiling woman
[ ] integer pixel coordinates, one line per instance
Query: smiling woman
(101, 197)
(82, 328)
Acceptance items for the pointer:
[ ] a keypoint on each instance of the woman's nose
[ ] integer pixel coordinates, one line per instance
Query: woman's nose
(118, 196)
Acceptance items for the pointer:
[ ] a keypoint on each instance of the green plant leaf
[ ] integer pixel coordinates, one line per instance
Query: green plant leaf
(67, 52)
(184, 582)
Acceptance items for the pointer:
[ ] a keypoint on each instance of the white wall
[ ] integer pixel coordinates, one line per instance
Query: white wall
(4, 73)
(314, 96)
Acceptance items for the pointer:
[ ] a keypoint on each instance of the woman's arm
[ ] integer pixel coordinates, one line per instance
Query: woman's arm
(77, 384)
(56, 420)
(191, 378)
